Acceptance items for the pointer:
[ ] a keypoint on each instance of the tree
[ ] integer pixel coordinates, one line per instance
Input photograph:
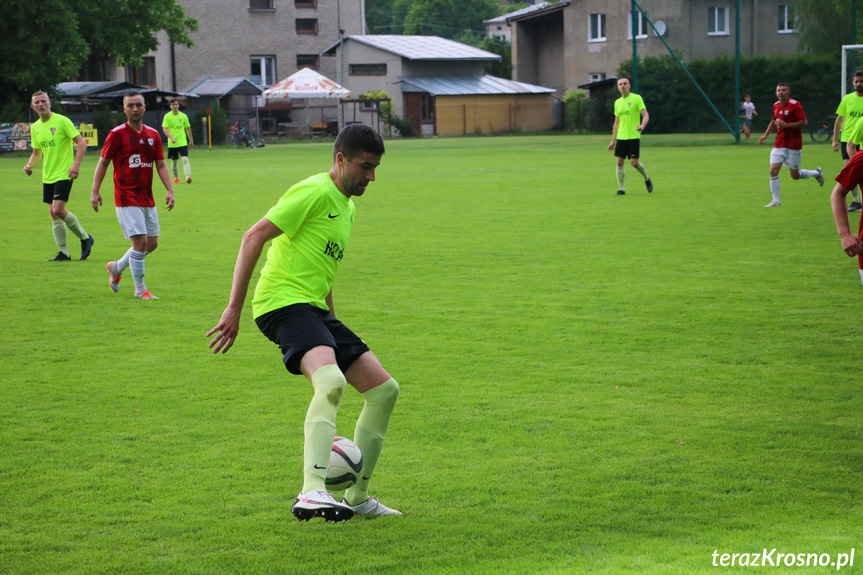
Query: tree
(45, 43)
(502, 48)
(446, 18)
(824, 25)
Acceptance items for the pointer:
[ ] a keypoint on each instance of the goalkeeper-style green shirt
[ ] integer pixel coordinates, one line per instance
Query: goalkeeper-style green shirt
(316, 219)
(177, 126)
(851, 108)
(629, 111)
(55, 140)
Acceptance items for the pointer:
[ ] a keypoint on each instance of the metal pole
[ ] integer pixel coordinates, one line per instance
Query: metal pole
(737, 70)
(634, 7)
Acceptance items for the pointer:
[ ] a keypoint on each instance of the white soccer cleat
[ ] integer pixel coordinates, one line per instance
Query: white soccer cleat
(320, 504)
(773, 205)
(371, 507)
(113, 279)
(820, 177)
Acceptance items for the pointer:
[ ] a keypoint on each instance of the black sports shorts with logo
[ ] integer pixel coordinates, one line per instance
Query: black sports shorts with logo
(175, 153)
(627, 148)
(59, 190)
(300, 327)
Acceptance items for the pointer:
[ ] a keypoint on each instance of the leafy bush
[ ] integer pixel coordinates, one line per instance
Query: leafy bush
(218, 117)
(576, 114)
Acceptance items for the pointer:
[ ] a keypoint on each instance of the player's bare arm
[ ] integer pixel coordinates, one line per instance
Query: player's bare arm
(165, 176)
(770, 127)
(851, 244)
(837, 127)
(35, 156)
(614, 133)
(250, 252)
(645, 118)
(80, 150)
(98, 177)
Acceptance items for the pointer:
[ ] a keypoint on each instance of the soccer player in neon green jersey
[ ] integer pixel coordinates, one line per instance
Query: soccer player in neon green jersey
(293, 307)
(848, 116)
(51, 137)
(630, 118)
(176, 126)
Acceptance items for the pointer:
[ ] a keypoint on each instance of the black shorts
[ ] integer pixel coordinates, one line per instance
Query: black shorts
(844, 146)
(175, 153)
(300, 327)
(627, 148)
(59, 190)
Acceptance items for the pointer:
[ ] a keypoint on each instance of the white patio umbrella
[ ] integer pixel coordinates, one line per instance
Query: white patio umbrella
(306, 84)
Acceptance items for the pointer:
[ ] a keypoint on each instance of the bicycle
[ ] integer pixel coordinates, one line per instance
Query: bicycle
(239, 136)
(822, 131)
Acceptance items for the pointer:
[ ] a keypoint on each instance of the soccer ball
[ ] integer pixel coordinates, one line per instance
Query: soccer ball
(346, 463)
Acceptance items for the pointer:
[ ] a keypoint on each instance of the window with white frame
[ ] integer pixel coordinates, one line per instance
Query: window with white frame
(597, 76)
(717, 21)
(596, 27)
(263, 70)
(786, 19)
(641, 23)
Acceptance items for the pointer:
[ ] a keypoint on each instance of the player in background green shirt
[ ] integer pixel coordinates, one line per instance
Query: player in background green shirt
(176, 126)
(51, 138)
(848, 116)
(630, 118)
(293, 306)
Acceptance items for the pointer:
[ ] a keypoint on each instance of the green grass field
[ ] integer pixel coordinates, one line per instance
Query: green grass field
(590, 383)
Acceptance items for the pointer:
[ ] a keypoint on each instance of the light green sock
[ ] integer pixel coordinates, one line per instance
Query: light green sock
(73, 224)
(174, 168)
(187, 167)
(59, 229)
(642, 170)
(320, 427)
(370, 433)
(620, 176)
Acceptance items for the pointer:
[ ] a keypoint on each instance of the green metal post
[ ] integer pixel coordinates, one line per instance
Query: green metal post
(737, 70)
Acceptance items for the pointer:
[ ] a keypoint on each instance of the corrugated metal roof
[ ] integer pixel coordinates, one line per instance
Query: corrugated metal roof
(521, 12)
(424, 47)
(536, 10)
(83, 89)
(470, 85)
(222, 86)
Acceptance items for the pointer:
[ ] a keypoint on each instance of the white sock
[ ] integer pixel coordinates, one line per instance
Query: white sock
(187, 168)
(774, 188)
(123, 262)
(136, 264)
(73, 224)
(620, 176)
(642, 170)
(59, 229)
(808, 174)
(174, 168)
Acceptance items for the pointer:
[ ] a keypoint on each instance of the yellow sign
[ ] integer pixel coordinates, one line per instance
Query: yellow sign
(90, 134)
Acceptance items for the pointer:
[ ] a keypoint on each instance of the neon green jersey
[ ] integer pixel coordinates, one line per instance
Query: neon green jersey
(851, 108)
(316, 219)
(629, 111)
(177, 127)
(54, 139)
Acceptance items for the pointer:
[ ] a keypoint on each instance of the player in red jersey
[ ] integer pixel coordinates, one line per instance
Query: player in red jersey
(849, 178)
(135, 149)
(788, 119)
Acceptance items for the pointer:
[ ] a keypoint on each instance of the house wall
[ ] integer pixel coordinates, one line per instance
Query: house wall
(488, 114)
(538, 46)
(229, 34)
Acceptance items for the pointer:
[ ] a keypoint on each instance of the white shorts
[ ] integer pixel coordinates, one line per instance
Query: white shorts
(136, 221)
(791, 158)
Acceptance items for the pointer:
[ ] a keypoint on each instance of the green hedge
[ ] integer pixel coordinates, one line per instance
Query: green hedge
(676, 106)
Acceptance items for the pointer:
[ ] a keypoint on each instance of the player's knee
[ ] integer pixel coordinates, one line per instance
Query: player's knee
(58, 213)
(152, 244)
(330, 382)
(388, 391)
(795, 175)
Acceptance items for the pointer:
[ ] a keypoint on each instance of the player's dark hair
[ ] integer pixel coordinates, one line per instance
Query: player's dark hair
(786, 84)
(355, 139)
(131, 94)
(172, 100)
(858, 73)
